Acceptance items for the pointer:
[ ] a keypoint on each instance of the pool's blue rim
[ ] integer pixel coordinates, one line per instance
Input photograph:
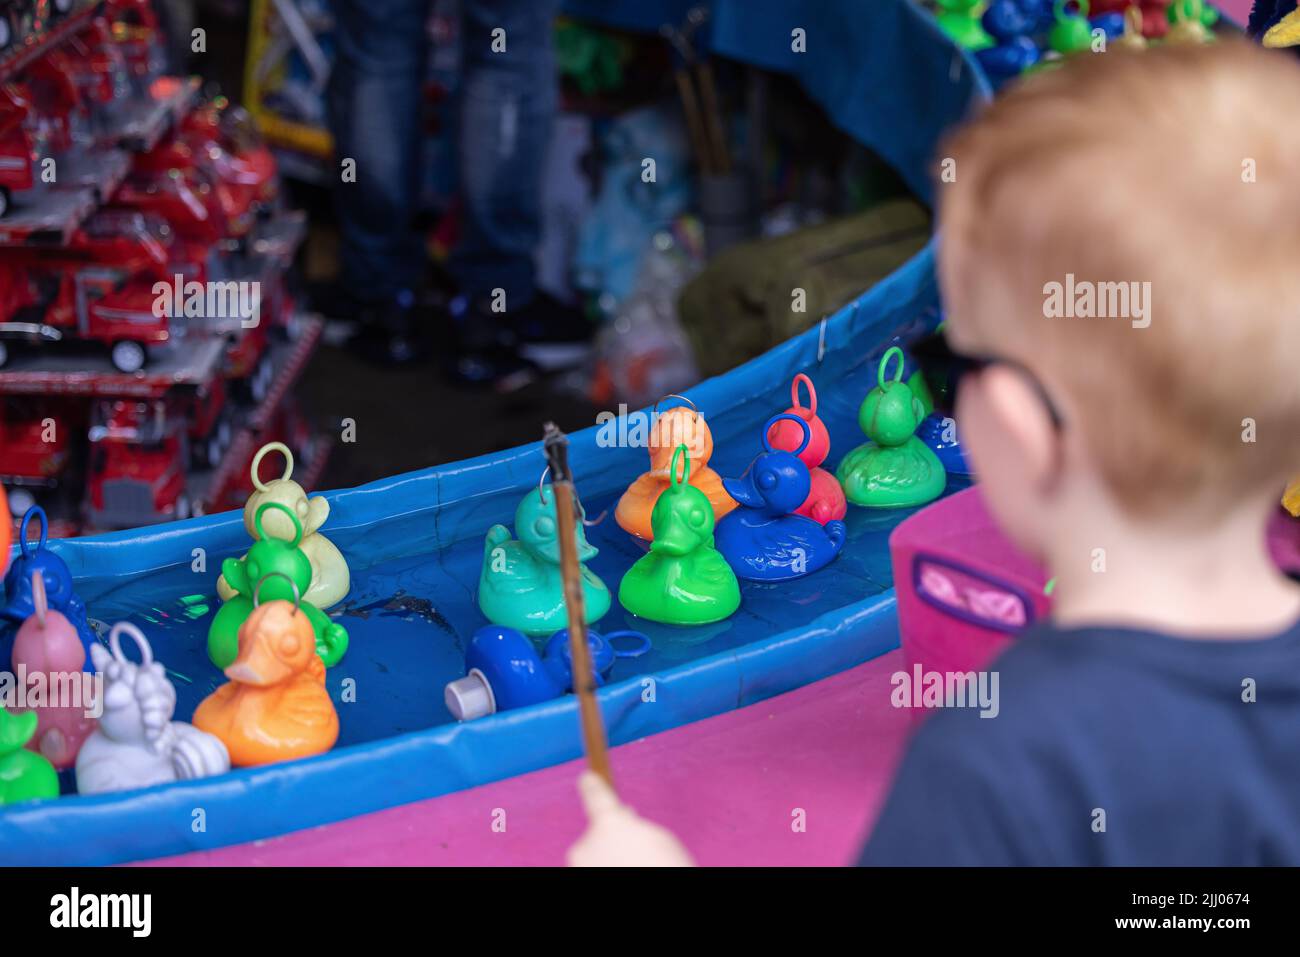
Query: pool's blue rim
(255, 803)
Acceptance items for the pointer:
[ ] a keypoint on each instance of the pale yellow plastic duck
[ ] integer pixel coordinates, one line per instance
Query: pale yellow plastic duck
(1132, 38)
(330, 578)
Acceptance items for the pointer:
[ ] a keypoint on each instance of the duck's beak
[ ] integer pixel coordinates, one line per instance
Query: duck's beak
(744, 491)
(1284, 33)
(586, 550)
(255, 665)
(244, 673)
(679, 540)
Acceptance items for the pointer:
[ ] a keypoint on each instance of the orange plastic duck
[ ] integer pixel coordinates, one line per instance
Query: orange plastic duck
(677, 426)
(275, 707)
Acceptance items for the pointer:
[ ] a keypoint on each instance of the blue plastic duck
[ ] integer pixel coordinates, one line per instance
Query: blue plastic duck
(57, 577)
(1011, 23)
(520, 585)
(505, 670)
(763, 540)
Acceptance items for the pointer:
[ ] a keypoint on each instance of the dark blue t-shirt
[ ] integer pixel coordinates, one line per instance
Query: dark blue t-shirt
(1114, 747)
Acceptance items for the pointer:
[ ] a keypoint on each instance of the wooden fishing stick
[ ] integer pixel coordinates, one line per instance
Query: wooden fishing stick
(556, 447)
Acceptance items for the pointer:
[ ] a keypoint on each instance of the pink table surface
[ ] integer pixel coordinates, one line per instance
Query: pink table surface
(1238, 10)
(729, 786)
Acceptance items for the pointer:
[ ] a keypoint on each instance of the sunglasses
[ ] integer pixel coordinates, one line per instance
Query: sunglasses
(944, 368)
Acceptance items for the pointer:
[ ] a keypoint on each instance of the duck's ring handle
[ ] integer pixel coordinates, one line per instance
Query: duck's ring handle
(1061, 10)
(257, 589)
(635, 651)
(685, 453)
(141, 642)
(297, 525)
(541, 495)
(812, 393)
(261, 454)
(807, 431)
(674, 395)
(884, 364)
(37, 512)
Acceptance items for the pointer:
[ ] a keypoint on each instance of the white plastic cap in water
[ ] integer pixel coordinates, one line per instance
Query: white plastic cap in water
(470, 697)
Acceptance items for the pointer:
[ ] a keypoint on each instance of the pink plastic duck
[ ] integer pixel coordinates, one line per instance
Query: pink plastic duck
(47, 643)
(825, 501)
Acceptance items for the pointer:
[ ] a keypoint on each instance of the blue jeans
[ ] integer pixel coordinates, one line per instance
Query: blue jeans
(507, 104)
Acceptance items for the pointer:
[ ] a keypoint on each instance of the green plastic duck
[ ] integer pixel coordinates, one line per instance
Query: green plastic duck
(24, 775)
(276, 569)
(1189, 22)
(1071, 33)
(683, 580)
(960, 19)
(895, 469)
(519, 585)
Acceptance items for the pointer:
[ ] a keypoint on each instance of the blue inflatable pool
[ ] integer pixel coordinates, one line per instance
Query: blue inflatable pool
(414, 542)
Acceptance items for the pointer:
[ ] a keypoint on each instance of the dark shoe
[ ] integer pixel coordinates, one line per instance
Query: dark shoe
(391, 335)
(499, 367)
(342, 313)
(551, 334)
(484, 351)
(381, 347)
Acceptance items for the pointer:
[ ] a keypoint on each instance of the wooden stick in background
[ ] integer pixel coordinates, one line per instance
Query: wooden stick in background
(695, 128)
(556, 447)
(713, 118)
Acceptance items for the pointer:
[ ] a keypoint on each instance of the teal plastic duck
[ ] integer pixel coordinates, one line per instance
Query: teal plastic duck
(520, 586)
(24, 775)
(895, 469)
(684, 580)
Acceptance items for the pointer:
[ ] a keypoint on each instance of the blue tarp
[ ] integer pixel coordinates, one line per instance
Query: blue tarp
(881, 69)
(889, 79)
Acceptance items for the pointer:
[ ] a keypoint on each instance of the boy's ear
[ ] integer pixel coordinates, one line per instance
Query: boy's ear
(1023, 417)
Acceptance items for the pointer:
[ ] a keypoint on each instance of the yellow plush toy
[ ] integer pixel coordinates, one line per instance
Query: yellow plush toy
(1291, 498)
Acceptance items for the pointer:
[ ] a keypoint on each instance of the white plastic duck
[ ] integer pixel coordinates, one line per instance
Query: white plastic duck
(137, 744)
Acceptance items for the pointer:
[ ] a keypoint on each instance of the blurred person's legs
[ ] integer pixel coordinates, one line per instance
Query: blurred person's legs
(507, 107)
(507, 110)
(374, 100)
